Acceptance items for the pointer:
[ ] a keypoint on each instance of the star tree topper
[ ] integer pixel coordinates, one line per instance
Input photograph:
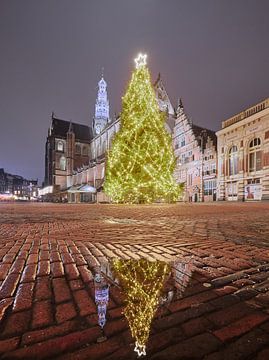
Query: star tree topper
(141, 60)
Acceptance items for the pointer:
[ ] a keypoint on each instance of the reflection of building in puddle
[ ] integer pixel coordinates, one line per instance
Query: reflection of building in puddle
(181, 275)
(101, 289)
(145, 285)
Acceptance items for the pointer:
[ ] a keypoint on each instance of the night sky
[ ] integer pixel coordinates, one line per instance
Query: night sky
(212, 53)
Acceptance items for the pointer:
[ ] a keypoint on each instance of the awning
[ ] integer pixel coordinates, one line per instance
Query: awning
(73, 188)
(82, 188)
(87, 188)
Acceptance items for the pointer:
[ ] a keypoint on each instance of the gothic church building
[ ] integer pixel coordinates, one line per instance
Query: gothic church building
(75, 153)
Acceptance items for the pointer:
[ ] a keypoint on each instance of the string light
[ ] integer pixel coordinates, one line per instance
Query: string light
(141, 163)
(141, 282)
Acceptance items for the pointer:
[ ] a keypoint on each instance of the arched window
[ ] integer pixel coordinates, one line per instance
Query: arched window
(78, 149)
(62, 163)
(255, 155)
(60, 146)
(85, 150)
(233, 161)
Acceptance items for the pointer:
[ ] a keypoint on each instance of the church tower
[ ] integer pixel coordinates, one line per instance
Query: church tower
(101, 117)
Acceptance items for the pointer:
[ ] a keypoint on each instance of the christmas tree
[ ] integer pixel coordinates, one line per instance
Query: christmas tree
(141, 162)
(141, 282)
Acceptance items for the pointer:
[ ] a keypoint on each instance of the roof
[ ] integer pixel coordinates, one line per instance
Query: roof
(60, 128)
(197, 130)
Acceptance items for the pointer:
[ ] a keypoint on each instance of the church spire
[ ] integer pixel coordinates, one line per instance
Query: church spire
(101, 106)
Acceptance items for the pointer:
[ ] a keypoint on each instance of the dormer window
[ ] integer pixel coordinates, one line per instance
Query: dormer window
(60, 146)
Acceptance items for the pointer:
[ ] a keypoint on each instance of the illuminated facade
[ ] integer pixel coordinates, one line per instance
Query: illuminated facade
(18, 186)
(243, 155)
(75, 154)
(67, 148)
(195, 150)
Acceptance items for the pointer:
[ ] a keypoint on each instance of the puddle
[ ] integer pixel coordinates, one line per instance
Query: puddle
(144, 286)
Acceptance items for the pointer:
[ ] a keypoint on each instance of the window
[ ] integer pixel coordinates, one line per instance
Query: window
(255, 155)
(254, 181)
(78, 149)
(233, 161)
(210, 187)
(85, 150)
(182, 141)
(60, 146)
(62, 163)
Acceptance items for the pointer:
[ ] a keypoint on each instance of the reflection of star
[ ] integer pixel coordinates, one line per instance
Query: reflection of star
(141, 60)
(140, 349)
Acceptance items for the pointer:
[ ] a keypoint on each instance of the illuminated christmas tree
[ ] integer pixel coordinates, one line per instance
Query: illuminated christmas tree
(141, 162)
(141, 282)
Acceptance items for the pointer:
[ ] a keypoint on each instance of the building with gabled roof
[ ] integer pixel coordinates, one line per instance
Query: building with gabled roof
(196, 153)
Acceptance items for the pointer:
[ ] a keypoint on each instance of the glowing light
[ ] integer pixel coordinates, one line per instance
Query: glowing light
(140, 349)
(141, 163)
(141, 60)
(141, 282)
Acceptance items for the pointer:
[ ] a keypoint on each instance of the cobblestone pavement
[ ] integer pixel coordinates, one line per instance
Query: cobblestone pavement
(49, 252)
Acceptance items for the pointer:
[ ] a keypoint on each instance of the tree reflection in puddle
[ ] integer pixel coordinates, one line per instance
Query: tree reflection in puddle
(145, 285)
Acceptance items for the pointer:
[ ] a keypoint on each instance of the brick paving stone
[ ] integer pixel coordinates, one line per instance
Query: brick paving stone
(195, 347)
(4, 268)
(229, 314)
(24, 297)
(42, 314)
(243, 348)
(71, 271)
(29, 273)
(65, 312)
(40, 335)
(61, 290)
(76, 284)
(17, 323)
(43, 268)
(9, 344)
(9, 285)
(96, 351)
(43, 290)
(52, 347)
(53, 250)
(241, 326)
(85, 273)
(57, 269)
(263, 355)
(84, 302)
(115, 326)
(4, 305)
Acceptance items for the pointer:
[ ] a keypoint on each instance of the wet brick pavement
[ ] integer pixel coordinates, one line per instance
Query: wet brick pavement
(48, 253)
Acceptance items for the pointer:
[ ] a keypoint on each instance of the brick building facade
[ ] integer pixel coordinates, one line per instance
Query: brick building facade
(195, 150)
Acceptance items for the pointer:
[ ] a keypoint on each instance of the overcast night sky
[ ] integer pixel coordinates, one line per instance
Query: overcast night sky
(212, 53)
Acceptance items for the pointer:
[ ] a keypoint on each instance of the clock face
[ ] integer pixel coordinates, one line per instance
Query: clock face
(98, 128)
